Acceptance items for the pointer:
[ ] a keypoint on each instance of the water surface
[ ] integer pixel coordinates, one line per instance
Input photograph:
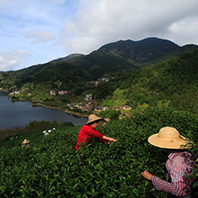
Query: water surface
(19, 113)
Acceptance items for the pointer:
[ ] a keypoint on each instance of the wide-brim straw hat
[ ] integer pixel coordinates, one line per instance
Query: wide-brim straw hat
(25, 141)
(93, 118)
(169, 138)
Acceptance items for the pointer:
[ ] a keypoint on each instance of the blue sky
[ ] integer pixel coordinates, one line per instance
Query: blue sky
(37, 31)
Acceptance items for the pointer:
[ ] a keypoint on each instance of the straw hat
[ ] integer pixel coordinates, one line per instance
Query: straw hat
(93, 118)
(25, 141)
(170, 138)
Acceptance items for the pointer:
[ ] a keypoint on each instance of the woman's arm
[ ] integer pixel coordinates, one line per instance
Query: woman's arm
(109, 139)
(175, 188)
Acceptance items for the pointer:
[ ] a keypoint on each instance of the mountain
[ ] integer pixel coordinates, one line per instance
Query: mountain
(67, 57)
(172, 83)
(140, 51)
(144, 51)
(121, 57)
(110, 60)
(52, 75)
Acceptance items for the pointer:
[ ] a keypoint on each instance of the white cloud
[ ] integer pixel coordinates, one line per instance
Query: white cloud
(105, 21)
(56, 1)
(12, 59)
(81, 26)
(39, 37)
(186, 31)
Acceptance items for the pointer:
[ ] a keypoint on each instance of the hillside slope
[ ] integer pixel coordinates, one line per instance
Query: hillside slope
(172, 83)
(145, 50)
(111, 60)
(126, 56)
(53, 75)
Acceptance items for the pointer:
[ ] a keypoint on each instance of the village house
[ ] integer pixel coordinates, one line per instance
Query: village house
(62, 92)
(100, 80)
(125, 107)
(85, 107)
(81, 106)
(52, 92)
(94, 83)
(88, 97)
(14, 93)
(89, 106)
(70, 106)
(98, 109)
(104, 79)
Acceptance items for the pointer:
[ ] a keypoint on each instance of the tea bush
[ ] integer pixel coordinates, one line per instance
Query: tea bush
(32, 126)
(51, 167)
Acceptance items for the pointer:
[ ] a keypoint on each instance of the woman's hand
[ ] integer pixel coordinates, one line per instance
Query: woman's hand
(147, 175)
(112, 140)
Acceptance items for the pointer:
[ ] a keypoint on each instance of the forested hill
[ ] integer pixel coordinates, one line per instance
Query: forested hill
(162, 84)
(124, 56)
(110, 60)
(145, 50)
(172, 83)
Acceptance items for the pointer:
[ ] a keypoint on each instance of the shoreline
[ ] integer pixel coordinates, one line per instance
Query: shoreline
(34, 104)
(55, 108)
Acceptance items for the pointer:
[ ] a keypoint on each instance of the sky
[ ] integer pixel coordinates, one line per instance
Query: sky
(37, 31)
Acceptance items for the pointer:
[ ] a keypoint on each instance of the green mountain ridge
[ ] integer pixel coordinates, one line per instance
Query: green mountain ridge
(110, 60)
(140, 51)
(133, 65)
(172, 83)
(68, 57)
(135, 54)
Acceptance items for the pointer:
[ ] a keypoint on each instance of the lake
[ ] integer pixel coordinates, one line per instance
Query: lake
(19, 113)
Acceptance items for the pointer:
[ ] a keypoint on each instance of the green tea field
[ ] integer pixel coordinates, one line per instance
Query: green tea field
(51, 167)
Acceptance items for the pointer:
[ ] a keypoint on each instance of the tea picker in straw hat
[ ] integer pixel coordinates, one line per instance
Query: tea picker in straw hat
(89, 131)
(25, 143)
(179, 164)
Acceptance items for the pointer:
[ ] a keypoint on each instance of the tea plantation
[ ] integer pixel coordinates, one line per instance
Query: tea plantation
(51, 167)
